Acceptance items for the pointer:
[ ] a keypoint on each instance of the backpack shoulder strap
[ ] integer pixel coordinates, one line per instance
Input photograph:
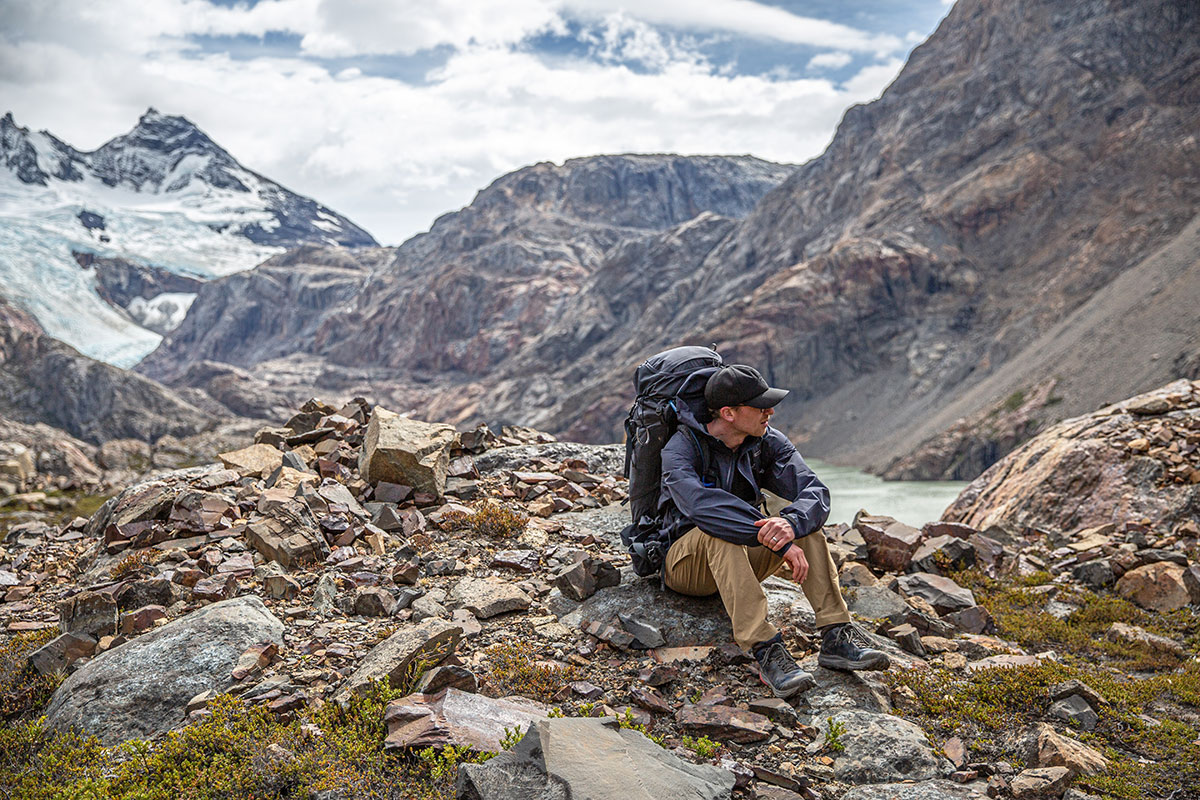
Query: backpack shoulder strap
(702, 449)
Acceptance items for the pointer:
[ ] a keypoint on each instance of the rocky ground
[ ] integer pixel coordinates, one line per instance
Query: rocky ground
(361, 605)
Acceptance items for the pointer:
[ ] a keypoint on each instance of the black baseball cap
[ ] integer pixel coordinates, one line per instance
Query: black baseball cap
(739, 385)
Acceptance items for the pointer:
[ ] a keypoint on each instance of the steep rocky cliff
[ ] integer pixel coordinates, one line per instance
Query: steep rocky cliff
(43, 380)
(1018, 207)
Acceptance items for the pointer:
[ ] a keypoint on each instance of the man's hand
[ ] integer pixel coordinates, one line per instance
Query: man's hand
(795, 559)
(774, 532)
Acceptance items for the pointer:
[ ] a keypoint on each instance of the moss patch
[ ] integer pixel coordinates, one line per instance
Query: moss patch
(234, 752)
(990, 708)
(1020, 615)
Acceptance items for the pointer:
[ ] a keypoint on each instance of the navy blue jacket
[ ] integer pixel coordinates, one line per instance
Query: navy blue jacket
(720, 505)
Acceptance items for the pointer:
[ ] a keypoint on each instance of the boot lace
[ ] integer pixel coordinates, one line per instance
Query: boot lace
(851, 634)
(779, 659)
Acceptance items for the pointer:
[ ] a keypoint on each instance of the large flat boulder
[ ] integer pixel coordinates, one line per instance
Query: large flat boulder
(590, 758)
(406, 451)
(142, 688)
(683, 621)
(881, 748)
(921, 790)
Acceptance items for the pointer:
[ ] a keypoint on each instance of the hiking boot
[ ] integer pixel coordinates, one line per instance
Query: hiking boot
(779, 671)
(846, 647)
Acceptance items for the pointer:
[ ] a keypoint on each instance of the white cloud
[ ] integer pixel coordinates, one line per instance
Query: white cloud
(870, 81)
(623, 39)
(341, 28)
(746, 18)
(355, 27)
(393, 155)
(834, 60)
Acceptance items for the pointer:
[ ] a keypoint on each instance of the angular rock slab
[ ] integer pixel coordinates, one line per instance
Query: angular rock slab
(1055, 750)
(459, 718)
(1157, 587)
(924, 790)
(289, 536)
(487, 597)
(724, 723)
(400, 450)
(1041, 782)
(590, 759)
(942, 593)
(142, 688)
(882, 748)
(255, 460)
(404, 655)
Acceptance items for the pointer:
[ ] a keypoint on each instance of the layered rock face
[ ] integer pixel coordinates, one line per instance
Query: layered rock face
(1136, 460)
(44, 380)
(1015, 208)
(481, 285)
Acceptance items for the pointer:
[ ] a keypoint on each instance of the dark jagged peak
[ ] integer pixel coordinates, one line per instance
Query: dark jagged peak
(19, 155)
(29, 155)
(164, 153)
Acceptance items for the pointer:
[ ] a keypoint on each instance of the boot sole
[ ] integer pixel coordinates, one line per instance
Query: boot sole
(800, 688)
(868, 664)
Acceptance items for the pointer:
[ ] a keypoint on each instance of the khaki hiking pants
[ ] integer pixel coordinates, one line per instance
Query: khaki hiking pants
(698, 564)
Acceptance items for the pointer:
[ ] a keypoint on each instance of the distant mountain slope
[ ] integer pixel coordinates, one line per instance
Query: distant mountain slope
(1028, 156)
(164, 196)
(988, 207)
(482, 285)
(44, 380)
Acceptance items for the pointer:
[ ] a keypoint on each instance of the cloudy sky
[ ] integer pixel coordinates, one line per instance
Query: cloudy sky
(394, 112)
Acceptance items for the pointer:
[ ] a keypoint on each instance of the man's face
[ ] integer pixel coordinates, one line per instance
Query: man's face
(750, 420)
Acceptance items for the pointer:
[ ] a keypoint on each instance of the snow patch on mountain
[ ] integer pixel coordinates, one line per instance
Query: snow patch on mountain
(40, 230)
(163, 312)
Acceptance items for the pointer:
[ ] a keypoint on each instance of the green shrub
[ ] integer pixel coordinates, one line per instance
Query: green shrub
(704, 747)
(833, 735)
(515, 670)
(234, 752)
(131, 566)
(986, 706)
(496, 521)
(1014, 400)
(22, 689)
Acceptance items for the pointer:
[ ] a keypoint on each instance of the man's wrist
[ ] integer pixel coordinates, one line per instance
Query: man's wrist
(794, 521)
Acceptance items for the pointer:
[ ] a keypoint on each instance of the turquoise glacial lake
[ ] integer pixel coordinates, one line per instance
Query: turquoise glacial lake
(912, 502)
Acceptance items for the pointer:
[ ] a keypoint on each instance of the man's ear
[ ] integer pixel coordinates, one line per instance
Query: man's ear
(726, 413)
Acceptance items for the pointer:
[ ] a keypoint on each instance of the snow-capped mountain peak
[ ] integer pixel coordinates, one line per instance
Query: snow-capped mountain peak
(150, 157)
(163, 197)
(36, 157)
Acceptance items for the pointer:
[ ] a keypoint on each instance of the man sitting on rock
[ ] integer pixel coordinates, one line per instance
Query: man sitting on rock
(713, 477)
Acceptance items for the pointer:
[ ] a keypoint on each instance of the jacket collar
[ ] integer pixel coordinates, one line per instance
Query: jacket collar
(688, 419)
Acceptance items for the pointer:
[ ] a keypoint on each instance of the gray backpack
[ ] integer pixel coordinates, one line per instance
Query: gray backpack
(663, 382)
